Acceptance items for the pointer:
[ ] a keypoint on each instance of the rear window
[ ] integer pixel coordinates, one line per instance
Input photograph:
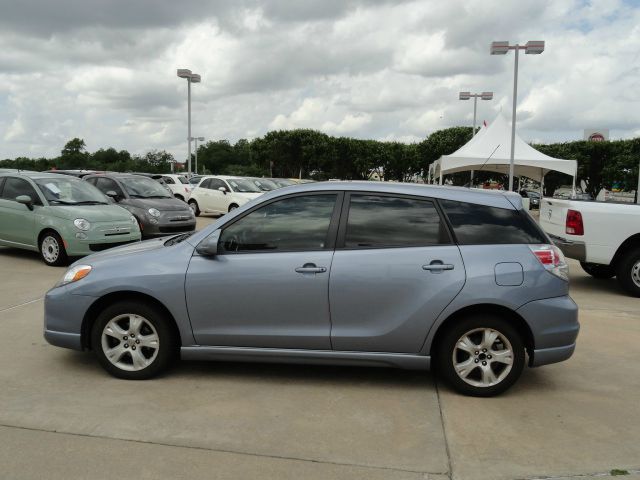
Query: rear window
(482, 225)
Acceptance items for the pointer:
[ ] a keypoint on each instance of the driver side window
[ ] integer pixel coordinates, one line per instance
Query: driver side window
(292, 224)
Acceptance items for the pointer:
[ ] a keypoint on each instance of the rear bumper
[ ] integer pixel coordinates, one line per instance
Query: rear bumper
(554, 325)
(571, 249)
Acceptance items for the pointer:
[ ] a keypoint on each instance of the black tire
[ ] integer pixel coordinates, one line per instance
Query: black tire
(179, 197)
(233, 206)
(473, 323)
(194, 206)
(167, 345)
(628, 268)
(597, 270)
(52, 249)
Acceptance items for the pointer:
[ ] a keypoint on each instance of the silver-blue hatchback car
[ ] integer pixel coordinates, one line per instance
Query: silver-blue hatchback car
(353, 273)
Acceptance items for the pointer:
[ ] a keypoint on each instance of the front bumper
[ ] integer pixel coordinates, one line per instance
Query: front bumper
(169, 223)
(63, 317)
(554, 325)
(570, 248)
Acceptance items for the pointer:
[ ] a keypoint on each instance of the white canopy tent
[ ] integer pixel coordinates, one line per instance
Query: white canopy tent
(490, 150)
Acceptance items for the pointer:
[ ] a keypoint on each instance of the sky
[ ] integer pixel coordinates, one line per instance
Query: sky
(105, 70)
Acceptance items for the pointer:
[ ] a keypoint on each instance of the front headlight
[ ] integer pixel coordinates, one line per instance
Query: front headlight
(133, 220)
(82, 224)
(74, 274)
(154, 212)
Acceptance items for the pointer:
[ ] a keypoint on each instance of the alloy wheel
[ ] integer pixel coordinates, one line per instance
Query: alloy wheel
(130, 342)
(50, 249)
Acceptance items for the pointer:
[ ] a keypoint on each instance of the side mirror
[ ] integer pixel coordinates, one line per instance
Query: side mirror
(223, 190)
(209, 246)
(113, 195)
(25, 200)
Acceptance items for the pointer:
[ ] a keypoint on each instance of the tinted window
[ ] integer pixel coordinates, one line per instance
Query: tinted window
(481, 225)
(14, 187)
(205, 183)
(105, 185)
(297, 223)
(1, 183)
(215, 184)
(168, 180)
(382, 221)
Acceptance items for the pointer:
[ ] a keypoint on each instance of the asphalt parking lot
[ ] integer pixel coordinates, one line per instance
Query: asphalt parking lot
(62, 416)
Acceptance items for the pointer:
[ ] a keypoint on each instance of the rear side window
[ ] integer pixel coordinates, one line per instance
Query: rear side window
(482, 225)
(377, 221)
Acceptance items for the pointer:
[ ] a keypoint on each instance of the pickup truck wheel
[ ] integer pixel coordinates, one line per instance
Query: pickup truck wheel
(481, 355)
(597, 270)
(628, 272)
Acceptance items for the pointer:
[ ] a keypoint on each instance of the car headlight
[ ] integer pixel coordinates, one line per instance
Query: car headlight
(74, 274)
(82, 224)
(133, 220)
(154, 212)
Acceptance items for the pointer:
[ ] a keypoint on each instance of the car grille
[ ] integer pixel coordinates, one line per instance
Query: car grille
(177, 229)
(180, 218)
(98, 247)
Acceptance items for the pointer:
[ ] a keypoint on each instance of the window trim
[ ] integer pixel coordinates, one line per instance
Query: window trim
(330, 243)
(346, 207)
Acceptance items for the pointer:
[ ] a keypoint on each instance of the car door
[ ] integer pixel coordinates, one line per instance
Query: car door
(17, 220)
(219, 200)
(269, 285)
(394, 270)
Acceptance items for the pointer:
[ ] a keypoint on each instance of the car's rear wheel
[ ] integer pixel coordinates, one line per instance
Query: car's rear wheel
(628, 272)
(481, 355)
(597, 270)
(133, 340)
(194, 207)
(52, 249)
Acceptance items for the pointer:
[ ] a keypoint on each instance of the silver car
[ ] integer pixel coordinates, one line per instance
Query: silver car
(377, 274)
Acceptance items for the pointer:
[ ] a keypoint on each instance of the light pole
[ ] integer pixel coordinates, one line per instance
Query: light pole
(191, 78)
(532, 47)
(196, 139)
(475, 96)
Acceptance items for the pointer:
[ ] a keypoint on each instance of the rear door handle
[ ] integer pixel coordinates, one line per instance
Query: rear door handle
(310, 268)
(437, 266)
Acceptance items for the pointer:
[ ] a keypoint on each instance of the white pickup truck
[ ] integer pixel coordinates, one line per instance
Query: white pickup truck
(604, 237)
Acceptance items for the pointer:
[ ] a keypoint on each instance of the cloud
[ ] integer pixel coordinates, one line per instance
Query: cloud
(105, 70)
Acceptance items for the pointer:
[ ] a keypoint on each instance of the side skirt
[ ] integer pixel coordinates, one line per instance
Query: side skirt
(318, 357)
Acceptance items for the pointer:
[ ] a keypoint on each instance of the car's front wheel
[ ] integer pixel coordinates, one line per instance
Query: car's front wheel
(133, 340)
(481, 355)
(52, 249)
(597, 270)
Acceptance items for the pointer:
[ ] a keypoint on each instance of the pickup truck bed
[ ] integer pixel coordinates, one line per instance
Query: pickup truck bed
(604, 237)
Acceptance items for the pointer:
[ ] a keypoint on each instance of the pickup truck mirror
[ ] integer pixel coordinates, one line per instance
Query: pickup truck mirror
(209, 246)
(25, 200)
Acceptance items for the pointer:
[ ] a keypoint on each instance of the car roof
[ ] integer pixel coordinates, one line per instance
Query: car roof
(492, 198)
(36, 175)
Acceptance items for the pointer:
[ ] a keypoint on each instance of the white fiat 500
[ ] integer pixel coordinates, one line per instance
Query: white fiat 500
(222, 194)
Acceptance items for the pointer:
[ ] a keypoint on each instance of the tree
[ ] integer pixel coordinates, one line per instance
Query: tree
(74, 155)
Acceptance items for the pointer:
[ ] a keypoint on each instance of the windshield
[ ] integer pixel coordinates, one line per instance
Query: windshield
(183, 180)
(143, 187)
(195, 180)
(70, 191)
(264, 184)
(243, 186)
(281, 182)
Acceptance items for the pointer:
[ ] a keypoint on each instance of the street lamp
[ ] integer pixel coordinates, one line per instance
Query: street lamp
(191, 78)
(475, 96)
(201, 139)
(533, 47)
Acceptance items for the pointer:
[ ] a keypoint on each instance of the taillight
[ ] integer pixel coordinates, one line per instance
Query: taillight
(552, 259)
(574, 225)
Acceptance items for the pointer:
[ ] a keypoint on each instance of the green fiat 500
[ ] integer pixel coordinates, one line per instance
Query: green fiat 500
(60, 216)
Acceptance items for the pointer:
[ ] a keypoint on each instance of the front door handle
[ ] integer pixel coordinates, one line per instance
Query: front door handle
(310, 268)
(437, 266)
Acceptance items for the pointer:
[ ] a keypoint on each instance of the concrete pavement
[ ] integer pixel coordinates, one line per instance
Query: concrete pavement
(61, 416)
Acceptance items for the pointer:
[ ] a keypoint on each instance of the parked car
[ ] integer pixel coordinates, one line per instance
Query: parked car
(155, 209)
(194, 180)
(264, 184)
(603, 237)
(282, 182)
(359, 273)
(534, 198)
(222, 194)
(179, 186)
(60, 217)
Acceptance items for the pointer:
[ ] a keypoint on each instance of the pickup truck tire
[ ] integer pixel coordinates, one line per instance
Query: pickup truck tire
(628, 272)
(597, 270)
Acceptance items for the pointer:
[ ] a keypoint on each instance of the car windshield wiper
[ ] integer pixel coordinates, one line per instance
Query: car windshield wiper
(91, 202)
(158, 196)
(62, 202)
(177, 239)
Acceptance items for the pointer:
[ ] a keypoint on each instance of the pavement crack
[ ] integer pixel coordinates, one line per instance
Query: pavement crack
(444, 431)
(578, 476)
(29, 302)
(222, 450)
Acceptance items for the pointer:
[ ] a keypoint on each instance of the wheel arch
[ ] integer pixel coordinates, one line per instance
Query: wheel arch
(487, 308)
(45, 229)
(102, 302)
(630, 243)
